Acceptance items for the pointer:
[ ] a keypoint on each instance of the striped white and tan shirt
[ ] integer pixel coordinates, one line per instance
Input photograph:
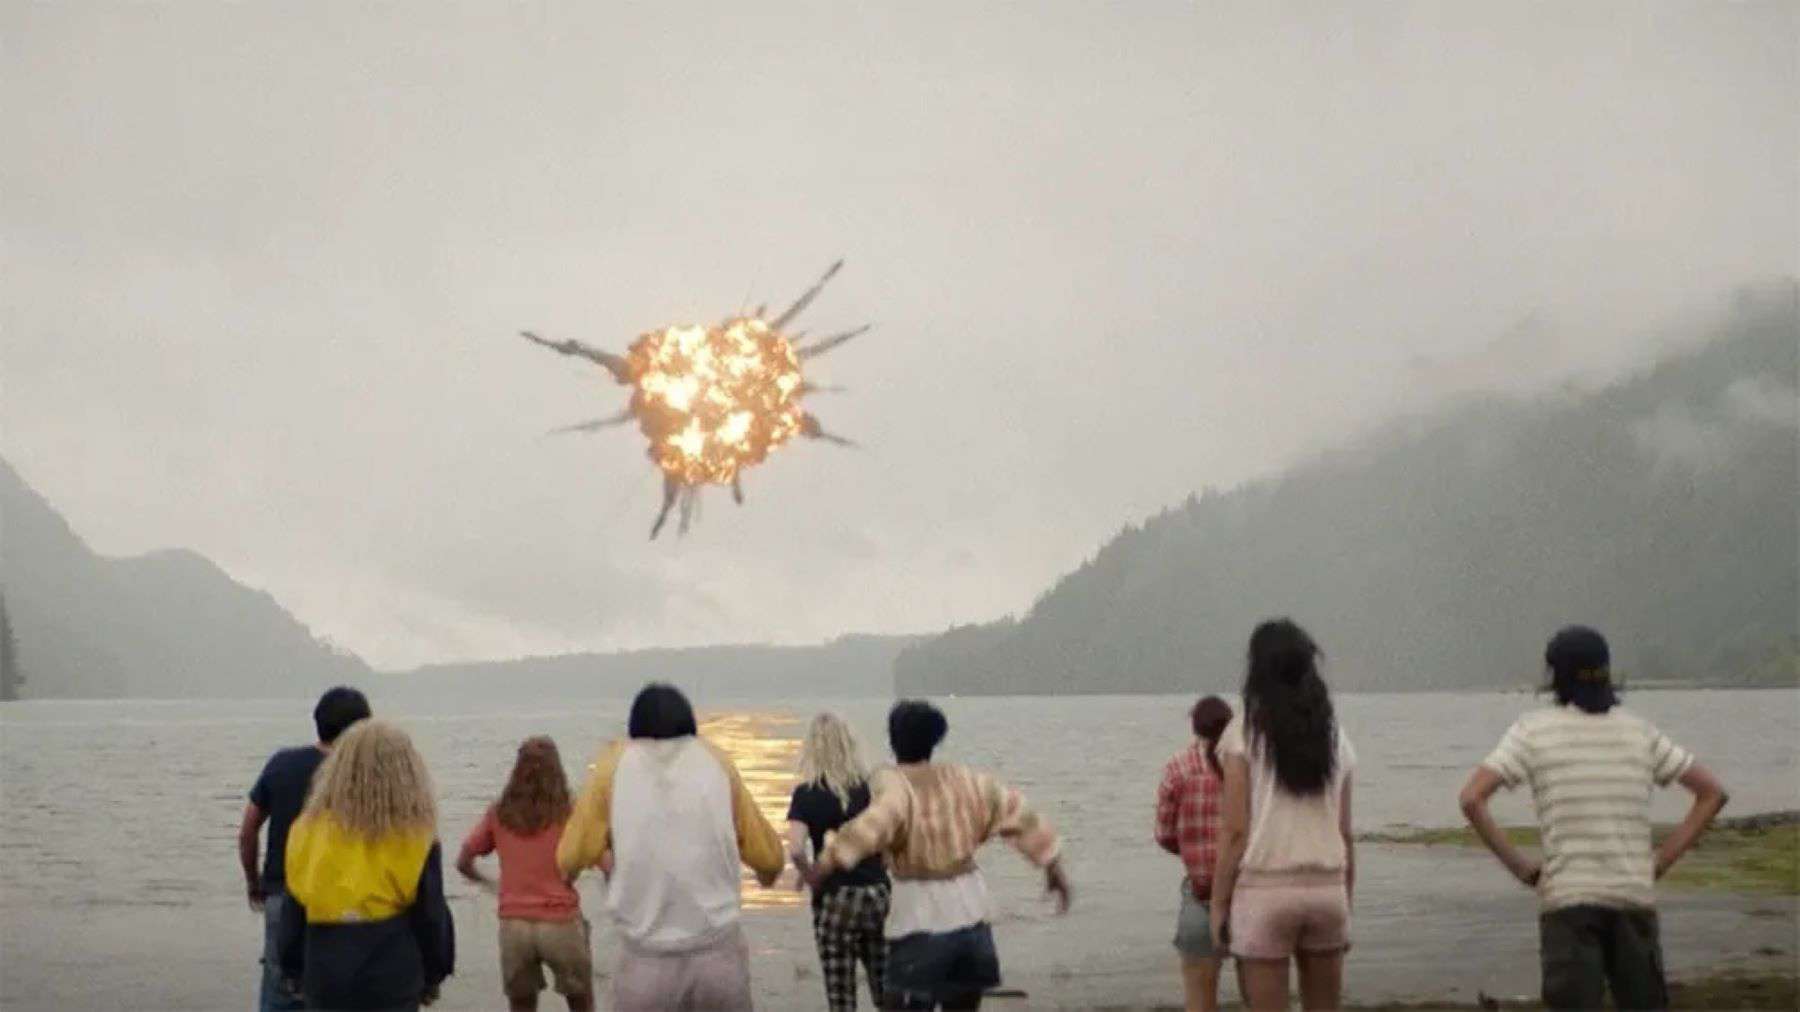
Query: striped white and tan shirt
(1590, 776)
(928, 819)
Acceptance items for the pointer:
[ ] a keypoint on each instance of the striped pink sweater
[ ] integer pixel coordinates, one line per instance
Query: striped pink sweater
(928, 819)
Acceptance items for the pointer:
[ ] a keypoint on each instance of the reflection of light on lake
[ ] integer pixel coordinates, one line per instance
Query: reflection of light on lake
(766, 747)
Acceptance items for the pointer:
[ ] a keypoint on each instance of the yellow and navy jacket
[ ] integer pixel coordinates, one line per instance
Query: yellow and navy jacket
(366, 926)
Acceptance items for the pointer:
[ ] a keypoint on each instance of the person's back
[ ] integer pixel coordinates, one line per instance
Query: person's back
(276, 800)
(675, 876)
(1189, 806)
(932, 817)
(1289, 832)
(1590, 776)
(928, 819)
(1287, 863)
(669, 815)
(280, 793)
(816, 807)
(850, 907)
(368, 927)
(540, 912)
(531, 886)
(1591, 767)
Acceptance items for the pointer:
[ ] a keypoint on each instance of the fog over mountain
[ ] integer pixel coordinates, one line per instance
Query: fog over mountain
(1437, 552)
(172, 624)
(167, 623)
(1442, 551)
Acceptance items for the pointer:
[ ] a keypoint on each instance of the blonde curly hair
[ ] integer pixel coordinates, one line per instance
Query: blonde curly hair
(829, 757)
(374, 783)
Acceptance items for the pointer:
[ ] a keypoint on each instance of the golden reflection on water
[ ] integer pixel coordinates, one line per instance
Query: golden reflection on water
(765, 746)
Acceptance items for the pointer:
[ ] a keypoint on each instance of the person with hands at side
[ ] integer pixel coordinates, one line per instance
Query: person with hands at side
(1287, 859)
(1188, 800)
(276, 799)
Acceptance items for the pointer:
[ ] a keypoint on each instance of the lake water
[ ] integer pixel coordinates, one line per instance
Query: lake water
(119, 885)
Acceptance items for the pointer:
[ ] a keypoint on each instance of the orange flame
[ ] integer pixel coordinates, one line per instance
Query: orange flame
(715, 400)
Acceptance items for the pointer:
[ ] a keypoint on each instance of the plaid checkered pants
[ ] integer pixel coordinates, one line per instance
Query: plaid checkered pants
(849, 925)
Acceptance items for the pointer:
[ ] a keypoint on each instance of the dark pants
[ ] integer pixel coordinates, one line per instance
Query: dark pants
(1586, 949)
(272, 996)
(949, 970)
(848, 925)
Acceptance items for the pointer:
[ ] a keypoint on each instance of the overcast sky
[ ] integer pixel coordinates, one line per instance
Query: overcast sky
(264, 264)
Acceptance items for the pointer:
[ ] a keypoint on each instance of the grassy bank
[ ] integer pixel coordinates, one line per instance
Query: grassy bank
(1758, 855)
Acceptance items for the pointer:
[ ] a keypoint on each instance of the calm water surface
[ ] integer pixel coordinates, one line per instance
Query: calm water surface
(119, 885)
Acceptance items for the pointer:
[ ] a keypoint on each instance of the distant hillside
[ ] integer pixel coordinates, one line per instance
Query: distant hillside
(1443, 552)
(169, 623)
(851, 666)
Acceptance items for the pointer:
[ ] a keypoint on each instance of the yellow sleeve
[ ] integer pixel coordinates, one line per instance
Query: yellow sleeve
(587, 837)
(758, 843)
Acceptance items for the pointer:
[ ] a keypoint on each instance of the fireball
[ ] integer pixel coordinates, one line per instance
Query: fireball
(713, 401)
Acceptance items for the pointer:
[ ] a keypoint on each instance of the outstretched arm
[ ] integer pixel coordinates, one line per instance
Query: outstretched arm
(1015, 821)
(1709, 798)
(1474, 799)
(871, 832)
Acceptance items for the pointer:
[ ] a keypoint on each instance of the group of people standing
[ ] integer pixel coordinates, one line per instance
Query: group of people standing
(1257, 808)
(352, 885)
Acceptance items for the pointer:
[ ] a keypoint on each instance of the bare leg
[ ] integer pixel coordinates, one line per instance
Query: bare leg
(1265, 984)
(1200, 980)
(522, 1004)
(1321, 980)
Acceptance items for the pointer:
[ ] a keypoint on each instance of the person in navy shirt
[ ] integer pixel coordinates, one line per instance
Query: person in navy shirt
(276, 798)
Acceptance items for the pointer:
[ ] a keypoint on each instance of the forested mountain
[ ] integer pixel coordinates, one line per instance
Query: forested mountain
(1442, 552)
(169, 623)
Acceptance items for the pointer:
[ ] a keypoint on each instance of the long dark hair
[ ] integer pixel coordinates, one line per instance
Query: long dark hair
(1209, 717)
(1287, 705)
(1581, 669)
(537, 794)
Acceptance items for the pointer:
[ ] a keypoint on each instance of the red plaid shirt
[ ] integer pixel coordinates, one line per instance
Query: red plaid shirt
(1187, 815)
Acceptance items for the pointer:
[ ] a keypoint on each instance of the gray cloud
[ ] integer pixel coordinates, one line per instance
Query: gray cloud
(265, 265)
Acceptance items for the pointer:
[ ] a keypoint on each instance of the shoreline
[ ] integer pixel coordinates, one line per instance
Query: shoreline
(1748, 855)
(1726, 988)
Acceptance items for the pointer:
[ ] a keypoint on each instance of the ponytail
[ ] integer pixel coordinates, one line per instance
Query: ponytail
(1210, 717)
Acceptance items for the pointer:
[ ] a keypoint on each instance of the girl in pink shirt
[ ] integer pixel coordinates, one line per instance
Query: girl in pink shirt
(540, 912)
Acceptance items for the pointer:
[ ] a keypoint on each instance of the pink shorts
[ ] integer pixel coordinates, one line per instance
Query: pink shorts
(1274, 917)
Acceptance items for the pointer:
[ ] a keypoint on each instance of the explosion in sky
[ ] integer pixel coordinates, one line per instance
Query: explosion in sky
(713, 401)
